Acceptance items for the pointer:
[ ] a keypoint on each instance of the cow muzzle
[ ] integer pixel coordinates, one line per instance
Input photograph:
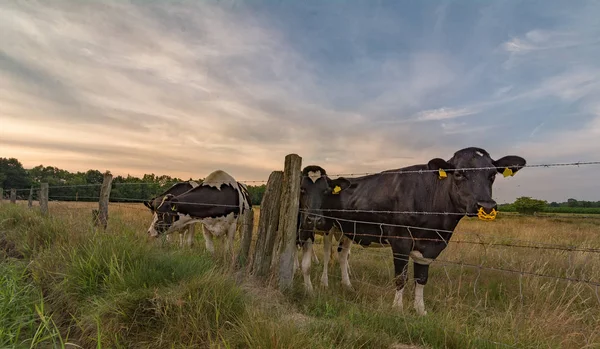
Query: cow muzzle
(487, 210)
(152, 233)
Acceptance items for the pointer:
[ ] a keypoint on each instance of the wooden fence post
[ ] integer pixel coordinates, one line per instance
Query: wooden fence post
(13, 196)
(246, 230)
(267, 226)
(104, 199)
(44, 198)
(288, 219)
(30, 198)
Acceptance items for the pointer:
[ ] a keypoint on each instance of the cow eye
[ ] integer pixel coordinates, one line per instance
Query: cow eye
(460, 175)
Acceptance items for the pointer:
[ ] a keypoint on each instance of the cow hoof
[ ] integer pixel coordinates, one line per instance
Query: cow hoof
(421, 312)
(325, 283)
(349, 287)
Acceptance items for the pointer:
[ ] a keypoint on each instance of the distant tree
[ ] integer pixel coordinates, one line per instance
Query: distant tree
(554, 204)
(529, 206)
(572, 203)
(13, 175)
(256, 193)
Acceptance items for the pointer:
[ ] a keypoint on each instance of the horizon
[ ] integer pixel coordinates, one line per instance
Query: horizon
(183, 89)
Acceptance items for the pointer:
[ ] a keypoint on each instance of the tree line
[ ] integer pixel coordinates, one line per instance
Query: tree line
(85, 186)
(529, 206)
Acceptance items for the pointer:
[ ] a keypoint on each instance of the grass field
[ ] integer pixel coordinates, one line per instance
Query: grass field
(63, 283)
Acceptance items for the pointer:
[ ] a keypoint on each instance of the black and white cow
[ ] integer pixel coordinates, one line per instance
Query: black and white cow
(313, 187)
(462, 185)
(187, 232)
(217, 203)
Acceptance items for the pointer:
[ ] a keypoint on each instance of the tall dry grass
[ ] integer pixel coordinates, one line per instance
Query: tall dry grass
(468, 307)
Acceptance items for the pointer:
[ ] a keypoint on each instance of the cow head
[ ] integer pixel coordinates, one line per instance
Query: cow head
(314, 188)
(165, 215)
(471, 173)
(151, 204)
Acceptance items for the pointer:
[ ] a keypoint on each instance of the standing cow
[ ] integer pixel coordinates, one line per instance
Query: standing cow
(176, 189)
(217, 203)
(461, 186)
(313, 187)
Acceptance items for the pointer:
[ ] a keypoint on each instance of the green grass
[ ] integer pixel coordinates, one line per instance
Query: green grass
(23, 322)
(116, 289)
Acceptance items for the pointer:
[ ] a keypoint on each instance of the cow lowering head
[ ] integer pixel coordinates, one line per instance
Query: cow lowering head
(314, 188)
(165, 215)
(471, 172)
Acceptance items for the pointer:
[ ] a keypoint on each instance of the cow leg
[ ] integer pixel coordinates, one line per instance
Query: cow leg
(230, 237)
(400, 256)
(208, 240)
(306, 259)
(344, 253)
(314, 256)
(190, 235)
(296, 264)
(421, 271)
(326, 256)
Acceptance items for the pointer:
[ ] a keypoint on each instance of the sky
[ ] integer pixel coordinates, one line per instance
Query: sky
(187, 87)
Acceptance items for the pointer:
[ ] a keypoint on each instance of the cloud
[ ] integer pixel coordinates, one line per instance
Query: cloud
(444, 113)
(183, 88)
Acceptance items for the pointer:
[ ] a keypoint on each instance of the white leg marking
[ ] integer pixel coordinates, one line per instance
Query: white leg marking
(190, 235)
(296, 263)
(210, 247)
(344, 262)
(326, 257)
(230, 236)
(306, 259)
(398, 299)
(419, 304)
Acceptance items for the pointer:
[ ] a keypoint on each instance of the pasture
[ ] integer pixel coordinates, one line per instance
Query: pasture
(499, 284)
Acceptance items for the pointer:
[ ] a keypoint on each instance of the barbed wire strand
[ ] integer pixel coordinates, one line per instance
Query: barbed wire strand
(399, 171)
(405, 257)
(541, 246)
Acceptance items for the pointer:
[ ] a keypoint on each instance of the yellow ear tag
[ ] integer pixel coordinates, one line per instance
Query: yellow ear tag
(442, 174)
(173, 208)
(337, 189)
(508, 172)
(481, 214)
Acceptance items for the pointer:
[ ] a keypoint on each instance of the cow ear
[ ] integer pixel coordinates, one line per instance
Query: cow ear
(509, 165)
(338, 184)
(442, 166)
(147, 204)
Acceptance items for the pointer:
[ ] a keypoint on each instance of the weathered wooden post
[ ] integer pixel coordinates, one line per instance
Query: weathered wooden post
(30, 198)
(246, 229)
(267, 226)
(288, 219)
(104, 199)
(13, 196)
(44, 198)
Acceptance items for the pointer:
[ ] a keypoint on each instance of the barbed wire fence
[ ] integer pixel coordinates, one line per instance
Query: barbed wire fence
(274, 251)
